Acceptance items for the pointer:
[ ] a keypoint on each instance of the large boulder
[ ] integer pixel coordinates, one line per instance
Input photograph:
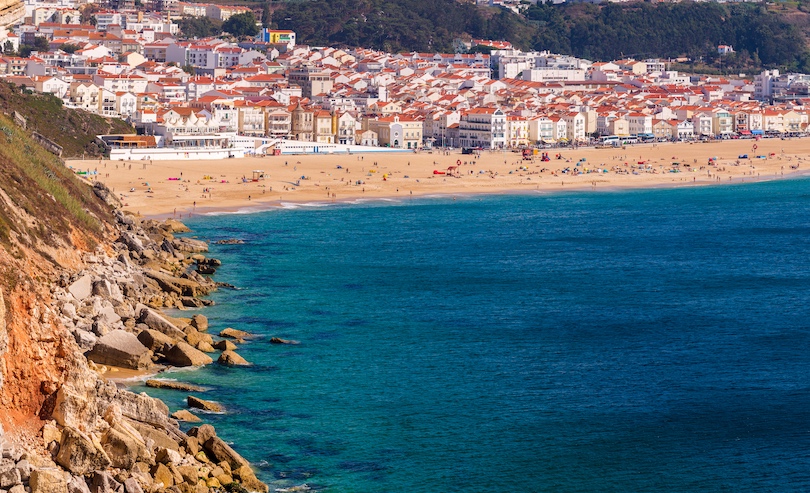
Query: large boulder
(234, 333)
(232, 358)
(182, 354)
(187, 416)
(108, 290)
(124, 448)
(154, 339)
(205, 405)
(155, 321)
(122, 349)
(79, 453)
(249, 481)
(221, 451)
(81, 287)
(48, 481)
(189, 245)
(199, 322)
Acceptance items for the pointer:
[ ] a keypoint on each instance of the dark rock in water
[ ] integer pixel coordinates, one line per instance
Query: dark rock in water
(225, 346)
(206, 269)
(231, 241)
(170, 384)
(278, 340)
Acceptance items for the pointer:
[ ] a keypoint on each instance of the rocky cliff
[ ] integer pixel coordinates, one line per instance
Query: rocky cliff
(11, 11)
(81, 285)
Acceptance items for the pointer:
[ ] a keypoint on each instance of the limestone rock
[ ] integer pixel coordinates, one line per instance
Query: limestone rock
(199, 322)
(9, 477)
(103, 482)
(205, 405)
(120, 348)
(183, 354)
(202, 433)
(86, 340)
(159, 438)
(248, 479)
(205, 347)
(225, 345)
(48, 481)
(231, 358)
(222, 452)
(234, 334)
(184, 415)
(190, 245)
(167, 456)
(131, 485)
(108, 290)
(174, 385)
(154, 340)
(77, 484)
(157, 322)
(124, 448)
(79, 454)
(162, 474)
(82, 287)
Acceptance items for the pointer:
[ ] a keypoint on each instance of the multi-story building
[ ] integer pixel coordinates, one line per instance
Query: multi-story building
(311, 80)
(483, 127)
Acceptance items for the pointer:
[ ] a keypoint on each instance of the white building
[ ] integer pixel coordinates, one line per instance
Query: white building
(483, 127)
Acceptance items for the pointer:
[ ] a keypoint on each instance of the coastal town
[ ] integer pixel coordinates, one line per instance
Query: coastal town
(262, 94)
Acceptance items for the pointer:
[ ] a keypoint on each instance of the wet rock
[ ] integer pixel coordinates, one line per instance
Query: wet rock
(234, 334)
(231, 358)
(225, 345)
(205, 405)
(278, 340)
(186, 416)
(230, 241)
(171, 384)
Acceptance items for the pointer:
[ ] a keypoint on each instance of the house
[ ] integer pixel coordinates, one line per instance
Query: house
(397, 131)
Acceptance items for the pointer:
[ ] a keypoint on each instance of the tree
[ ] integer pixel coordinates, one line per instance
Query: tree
(200, 27)
(70, 48)
(8, 48)
(241, 25)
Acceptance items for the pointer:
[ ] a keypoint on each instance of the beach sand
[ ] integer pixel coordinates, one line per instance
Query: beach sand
(178, 188)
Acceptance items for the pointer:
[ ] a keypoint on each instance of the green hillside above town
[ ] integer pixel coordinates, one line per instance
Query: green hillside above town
(763, 35)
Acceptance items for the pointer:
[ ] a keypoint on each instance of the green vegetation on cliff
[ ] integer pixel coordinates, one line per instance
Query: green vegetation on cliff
(41, 200)
(74, 130)
(761, 36)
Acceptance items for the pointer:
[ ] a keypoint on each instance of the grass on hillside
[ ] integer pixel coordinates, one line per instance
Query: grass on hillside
(74, 130)
(39, 183)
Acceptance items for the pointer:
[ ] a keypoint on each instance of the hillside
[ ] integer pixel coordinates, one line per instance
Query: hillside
(47, 218)
(763, 36)
(74, 130)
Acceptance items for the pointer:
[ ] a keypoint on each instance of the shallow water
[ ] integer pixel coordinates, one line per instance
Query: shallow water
(623, 341)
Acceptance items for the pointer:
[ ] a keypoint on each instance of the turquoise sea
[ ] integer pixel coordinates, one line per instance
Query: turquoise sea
(648, 340)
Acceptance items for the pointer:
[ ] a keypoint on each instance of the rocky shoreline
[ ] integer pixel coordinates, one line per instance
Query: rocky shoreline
(99, 438)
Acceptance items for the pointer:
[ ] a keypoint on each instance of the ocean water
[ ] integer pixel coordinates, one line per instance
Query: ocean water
(648, 340)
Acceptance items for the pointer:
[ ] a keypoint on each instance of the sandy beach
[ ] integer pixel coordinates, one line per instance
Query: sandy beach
(179, 188)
